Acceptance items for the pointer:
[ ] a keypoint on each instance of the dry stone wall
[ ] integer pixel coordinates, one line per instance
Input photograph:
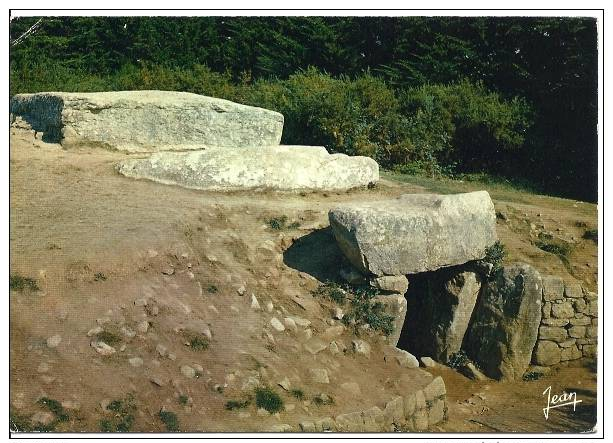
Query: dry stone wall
(569, 324)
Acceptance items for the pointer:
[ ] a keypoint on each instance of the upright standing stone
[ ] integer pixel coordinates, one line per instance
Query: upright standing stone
(443, 307)
(416, 232)
(505, 325)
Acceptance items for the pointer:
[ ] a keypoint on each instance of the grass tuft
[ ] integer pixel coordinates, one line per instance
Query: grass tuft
(297, 394)
(231, 405)
(280, 223)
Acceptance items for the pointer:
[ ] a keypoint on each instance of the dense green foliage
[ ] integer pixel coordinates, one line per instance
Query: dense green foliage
(514, 97)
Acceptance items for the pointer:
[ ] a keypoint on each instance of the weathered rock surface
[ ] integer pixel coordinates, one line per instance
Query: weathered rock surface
(147, 121)
(505, 324)
(444, 302)
(284, 168)
(416, 232)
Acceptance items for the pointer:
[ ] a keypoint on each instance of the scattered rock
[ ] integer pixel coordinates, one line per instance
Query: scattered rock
(277, 325)
(102, 348)
(241, 290)
(302, 322)
(427, 362)
(188, 371)
(361, 347)
(140, 302)
(471, 371)
(290, 324)
(254, 303)
(406, 360)
(338, 313)
(168, 270)
(94, 331)
(285, 383)
(143, 327)
(319, 375)
(135, 362)
(54, 341)
(42, 368)
(157, 381)
(269, 306)
(391, 283)
(42, 418)
(128, 332)
(315, 345)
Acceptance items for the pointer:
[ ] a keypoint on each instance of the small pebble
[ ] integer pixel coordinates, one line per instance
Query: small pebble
(136, 362)
(54, 341)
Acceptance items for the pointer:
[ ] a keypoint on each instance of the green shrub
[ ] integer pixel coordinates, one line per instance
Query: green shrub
(298, 394)
(332, 291)
(55, 407)
(170, 420)
(108, 337)
(280, 223)
(365, 310)
(19, 283)
(463, 123)
(268, 399)
(591, 234)
(532, 376)
(458, 360)
(123, 417)
(495, 254)
(237, 404)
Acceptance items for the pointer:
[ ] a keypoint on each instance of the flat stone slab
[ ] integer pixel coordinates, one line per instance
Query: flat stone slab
(280, 168)
(146, 121)
(415, 232)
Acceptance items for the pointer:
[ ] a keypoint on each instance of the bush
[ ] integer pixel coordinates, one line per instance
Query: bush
(170, 420)
(364, 310)
(464, 124)
(19, 283)
(123, 417)
(268, 399)
(495, 255)
(431, 129)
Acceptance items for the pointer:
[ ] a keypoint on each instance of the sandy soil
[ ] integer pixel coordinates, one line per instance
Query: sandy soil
(96, 242)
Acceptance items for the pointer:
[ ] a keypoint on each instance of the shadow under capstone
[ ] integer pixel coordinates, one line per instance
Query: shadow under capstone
(316, 254)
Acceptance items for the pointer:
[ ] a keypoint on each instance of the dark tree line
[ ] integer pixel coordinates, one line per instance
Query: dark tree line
(549, 62)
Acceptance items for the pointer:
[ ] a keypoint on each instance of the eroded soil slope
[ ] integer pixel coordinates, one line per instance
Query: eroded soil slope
(167, 275)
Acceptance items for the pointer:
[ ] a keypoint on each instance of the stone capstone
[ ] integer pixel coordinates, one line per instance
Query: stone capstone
(415, 232)
(280, 168)
(147, 121)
